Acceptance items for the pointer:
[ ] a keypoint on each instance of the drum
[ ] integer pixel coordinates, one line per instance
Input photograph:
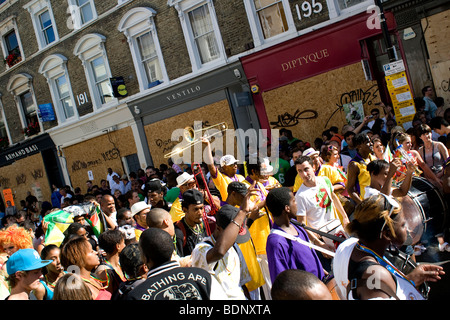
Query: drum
(406, 265)
(425, 209)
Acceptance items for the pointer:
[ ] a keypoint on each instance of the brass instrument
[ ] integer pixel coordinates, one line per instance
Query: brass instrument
(190, 136)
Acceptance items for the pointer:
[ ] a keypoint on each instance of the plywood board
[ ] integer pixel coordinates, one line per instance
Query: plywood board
(310, 106)
(160, 134)
(26, 175)
(97, 155)
(437, 32)
(441, 80)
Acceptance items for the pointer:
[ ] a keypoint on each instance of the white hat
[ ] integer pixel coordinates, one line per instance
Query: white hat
(309, 152)
(183, 178)
(227, 160)
(266, 168)
(138, 207)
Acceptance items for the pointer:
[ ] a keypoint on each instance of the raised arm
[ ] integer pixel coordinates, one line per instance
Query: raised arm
(228, 236)
(209, 158)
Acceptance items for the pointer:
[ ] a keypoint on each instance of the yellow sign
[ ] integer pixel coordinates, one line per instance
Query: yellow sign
(401, 96)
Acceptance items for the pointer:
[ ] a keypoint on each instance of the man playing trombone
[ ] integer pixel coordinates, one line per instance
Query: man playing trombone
(227, 173)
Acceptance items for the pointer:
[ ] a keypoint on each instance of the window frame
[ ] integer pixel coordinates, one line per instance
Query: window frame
(8, 25)
(18, 85)
(36, 8)
(135, 23)
(257, 30)
(87, 49)
(52, 68)
(3, 117)
(183, 8)
(359, 7)
(75, 13)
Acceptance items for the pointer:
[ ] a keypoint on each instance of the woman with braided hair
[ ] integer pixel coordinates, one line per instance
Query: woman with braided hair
(360, 268)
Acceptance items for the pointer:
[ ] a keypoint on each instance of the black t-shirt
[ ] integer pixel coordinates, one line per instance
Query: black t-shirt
(172, 282)
(189, 238)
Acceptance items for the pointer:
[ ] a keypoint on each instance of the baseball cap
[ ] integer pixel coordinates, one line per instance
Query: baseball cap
(223, 218)
(227, 160)
(25, 260)
(310, 152)
(154, 185)
(192, 196)
(183, 178)
(138, 207)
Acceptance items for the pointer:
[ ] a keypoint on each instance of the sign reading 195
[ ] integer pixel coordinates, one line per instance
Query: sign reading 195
(308, 8)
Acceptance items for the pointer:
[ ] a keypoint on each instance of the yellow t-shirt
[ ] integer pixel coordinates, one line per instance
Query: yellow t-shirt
(176, 211)
(363, 179)
(138, 233)
(326, 170)
(222, 181)
(260, 229)
(248, 251)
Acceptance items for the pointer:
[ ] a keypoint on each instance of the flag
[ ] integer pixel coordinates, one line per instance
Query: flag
(95, 221)
(58, 222)
(388, 156)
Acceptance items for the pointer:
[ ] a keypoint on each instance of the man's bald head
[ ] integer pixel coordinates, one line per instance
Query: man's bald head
(156, 217)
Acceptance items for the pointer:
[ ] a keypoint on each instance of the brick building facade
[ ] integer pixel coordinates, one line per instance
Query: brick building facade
(179, 62)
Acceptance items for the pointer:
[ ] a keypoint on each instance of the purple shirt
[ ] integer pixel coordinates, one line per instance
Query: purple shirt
(283, 254)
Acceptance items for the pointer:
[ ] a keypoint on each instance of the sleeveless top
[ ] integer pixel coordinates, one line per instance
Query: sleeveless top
(345, 270)
(434, 158)
(48, 291)
(363, 179)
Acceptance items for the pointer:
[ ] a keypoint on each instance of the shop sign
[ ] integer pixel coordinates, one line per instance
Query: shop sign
(21, 152)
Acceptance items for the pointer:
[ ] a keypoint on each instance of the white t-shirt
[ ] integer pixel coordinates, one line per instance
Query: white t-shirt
(316, 203)
(369, 191)
(227, 270)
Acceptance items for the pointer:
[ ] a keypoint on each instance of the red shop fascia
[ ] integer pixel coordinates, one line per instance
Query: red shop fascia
(337, 45)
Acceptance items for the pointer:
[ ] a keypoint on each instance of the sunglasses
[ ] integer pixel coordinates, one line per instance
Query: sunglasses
(389, 204)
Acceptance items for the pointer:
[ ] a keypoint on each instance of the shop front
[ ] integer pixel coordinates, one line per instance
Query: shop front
(88, 148)
(309, 83)
(218, 97)
(29, 167)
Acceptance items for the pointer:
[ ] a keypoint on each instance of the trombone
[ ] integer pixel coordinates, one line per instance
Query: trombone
(190, 136)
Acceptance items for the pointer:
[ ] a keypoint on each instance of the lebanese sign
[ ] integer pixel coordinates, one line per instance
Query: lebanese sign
(21, 152)
(26, 148)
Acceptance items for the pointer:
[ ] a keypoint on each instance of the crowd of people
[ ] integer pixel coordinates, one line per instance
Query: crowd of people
(302, 226)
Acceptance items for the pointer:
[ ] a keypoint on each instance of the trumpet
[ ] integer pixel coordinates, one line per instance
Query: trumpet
(190, 136)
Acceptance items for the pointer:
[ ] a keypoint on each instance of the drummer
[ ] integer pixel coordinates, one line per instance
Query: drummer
(378, 223)
(382, 174)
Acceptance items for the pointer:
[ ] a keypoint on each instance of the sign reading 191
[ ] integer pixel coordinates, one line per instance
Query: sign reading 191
(82, 98)
(308, 8)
